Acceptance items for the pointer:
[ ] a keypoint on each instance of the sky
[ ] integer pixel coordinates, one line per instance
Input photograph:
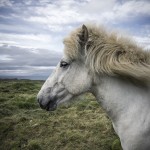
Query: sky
(32, 31)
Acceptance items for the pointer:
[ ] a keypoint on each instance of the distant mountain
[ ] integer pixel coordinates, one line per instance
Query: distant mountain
(25, 77)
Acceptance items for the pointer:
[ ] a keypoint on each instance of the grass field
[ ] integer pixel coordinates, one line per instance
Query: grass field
(82, 125)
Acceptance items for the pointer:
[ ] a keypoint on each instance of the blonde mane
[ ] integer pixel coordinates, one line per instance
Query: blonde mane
(107, 53)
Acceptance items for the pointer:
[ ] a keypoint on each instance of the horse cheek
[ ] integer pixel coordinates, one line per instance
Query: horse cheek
(78, 83)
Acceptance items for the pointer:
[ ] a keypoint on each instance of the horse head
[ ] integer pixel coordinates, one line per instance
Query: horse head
(71, 76)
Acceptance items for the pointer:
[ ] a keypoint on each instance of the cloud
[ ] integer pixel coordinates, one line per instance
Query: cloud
(5, 58)
(25, 61)
(26, 71)
(97, 7)
(5, 3)
(51, 16)
(143, 41)
(26, 56)
(31, 32)
(32, 40)
(72, 13)
(130, 10)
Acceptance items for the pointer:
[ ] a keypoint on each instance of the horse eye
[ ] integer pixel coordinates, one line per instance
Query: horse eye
(63, 64)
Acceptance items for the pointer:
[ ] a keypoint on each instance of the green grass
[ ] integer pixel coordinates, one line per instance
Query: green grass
(82, 125)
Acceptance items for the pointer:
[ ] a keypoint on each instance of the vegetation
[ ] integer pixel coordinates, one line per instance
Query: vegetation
(82, 125)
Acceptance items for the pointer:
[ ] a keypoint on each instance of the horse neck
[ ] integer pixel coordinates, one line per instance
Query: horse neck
(121, 98)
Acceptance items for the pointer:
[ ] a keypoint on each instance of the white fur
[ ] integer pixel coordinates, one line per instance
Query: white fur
(127, 104)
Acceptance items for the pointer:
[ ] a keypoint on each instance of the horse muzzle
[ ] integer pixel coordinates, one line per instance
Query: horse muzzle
(49, 105)
(50, 98)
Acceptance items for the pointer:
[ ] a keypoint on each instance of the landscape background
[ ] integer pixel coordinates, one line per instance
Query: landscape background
(31, 35)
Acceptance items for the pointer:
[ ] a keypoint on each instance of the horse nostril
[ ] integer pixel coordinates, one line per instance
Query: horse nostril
(43, 107)
(38, 100)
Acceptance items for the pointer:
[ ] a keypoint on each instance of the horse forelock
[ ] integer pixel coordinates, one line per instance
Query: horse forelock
(72, 45)
(110, 54)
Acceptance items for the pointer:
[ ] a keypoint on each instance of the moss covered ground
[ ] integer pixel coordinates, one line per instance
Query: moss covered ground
(81, 125)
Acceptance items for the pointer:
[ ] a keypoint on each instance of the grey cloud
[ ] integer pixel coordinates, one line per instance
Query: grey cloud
(32, 57)
(25, 61)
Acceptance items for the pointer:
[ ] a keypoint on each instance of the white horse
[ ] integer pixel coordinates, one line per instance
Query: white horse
(116, 71)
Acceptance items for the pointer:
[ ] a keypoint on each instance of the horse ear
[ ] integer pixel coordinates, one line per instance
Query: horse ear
(84, 35)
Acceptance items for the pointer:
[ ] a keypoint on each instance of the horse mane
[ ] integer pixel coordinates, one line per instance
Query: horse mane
(108, 53)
